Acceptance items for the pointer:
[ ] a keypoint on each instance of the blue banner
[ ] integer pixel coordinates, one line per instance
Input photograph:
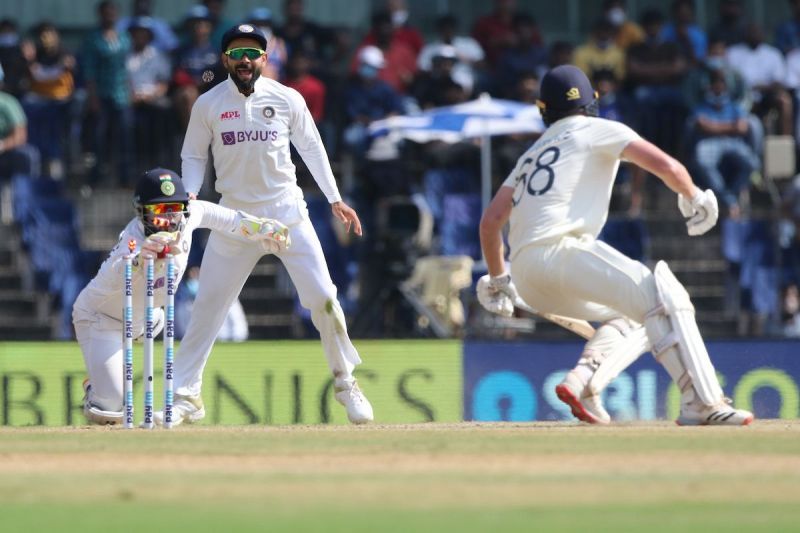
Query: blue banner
(516, 381)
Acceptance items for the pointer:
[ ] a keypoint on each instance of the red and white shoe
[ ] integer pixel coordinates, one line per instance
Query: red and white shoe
(587, 409)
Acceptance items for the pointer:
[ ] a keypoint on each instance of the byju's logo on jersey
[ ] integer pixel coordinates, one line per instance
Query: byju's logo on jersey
(233, 137)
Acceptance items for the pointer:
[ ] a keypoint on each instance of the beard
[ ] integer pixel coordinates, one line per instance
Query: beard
(245, 85)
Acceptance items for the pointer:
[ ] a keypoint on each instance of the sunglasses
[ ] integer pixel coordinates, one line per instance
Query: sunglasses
(163, 209)
(238, 53)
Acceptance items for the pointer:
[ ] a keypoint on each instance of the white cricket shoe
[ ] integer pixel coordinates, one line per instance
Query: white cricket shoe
(189, 409)
(586, 408)
(722, 414)
(95, 415)
(359, 410)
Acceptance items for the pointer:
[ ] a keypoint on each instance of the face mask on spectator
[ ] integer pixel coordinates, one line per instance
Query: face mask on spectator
(399, 18)
(616, 16)
(192, 285)
(9, 39)
(368, 72)
(717, 100)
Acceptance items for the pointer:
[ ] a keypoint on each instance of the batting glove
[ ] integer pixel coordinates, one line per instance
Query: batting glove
(497, 294)
(701, 212)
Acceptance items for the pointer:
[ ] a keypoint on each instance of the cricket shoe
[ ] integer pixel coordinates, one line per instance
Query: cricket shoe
(188, 409)
(95, 415)
(359, 410)
(721, 414)
(586, 408)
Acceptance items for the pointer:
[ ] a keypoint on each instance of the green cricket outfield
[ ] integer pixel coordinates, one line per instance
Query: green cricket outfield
(417, 477)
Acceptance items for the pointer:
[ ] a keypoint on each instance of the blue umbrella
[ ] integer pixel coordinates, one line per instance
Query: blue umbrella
(479, 118)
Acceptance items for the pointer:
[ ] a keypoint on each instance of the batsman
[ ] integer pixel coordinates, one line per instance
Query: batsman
(556, 201)
(164, 222)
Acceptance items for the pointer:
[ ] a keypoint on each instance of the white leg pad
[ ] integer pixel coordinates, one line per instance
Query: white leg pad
(339, 350)
(616, 345)
(677, 343)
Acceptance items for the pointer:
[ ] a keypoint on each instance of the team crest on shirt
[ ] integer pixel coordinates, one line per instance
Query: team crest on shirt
(268, 112)
(573, 94)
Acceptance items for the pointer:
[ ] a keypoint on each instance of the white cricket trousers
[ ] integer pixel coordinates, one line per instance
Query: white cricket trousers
(583, 278)
(227, 263)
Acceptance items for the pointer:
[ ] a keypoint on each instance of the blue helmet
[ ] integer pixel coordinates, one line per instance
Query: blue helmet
(566, 89)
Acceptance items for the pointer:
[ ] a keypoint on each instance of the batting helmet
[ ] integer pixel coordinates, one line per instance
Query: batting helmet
(564, 90)
(160, 186)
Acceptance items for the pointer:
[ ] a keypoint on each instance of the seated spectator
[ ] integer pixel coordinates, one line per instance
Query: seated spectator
(469, 53)
(626, 32)
(367, 98)
(787, 34)
(200, 55)
(730, 26)
(400, 59)
(601, 52)
(108, 103)
(684, 32)
(16, 157)
(15, 66)
(164, 39)
(277, 55)
(299, 78)
(47, 105)
(655, 72)
(721, 127)
(403, 31)
(523, 56)
(149, 71)
(698, 79)
(495, 31)
(299, 33)
(790, 260)
(560, 53)
(438, 87)
(763, 69)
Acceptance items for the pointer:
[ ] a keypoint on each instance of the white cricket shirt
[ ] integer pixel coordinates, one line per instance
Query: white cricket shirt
(249, 139)
(104, 294)
(562, 184)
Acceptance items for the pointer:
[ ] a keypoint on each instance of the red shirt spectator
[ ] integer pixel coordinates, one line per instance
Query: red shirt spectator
(495, 31)
(311, 88)
(401, 60)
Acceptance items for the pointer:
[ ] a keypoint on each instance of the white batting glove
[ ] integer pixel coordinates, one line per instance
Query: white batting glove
(159, 244)
(701, 212)
(497, 294)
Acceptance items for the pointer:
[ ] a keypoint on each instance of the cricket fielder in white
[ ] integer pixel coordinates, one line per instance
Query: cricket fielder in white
(164, 224)
(248, 122)
(556, 200)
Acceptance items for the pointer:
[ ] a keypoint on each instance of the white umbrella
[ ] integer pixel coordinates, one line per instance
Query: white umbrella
(483, 117)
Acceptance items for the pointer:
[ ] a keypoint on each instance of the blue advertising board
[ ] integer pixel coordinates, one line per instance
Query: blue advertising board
(511, 381)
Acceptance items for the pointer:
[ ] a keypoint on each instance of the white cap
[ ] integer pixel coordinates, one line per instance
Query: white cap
(372, 56)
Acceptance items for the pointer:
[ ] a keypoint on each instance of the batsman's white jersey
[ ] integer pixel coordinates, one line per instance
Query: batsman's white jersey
(562, 184)
(250, 140)
(97, 312)
(562, 187)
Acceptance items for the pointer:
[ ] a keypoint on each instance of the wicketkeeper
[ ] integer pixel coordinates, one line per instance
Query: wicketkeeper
(556, 200)
(164, 222)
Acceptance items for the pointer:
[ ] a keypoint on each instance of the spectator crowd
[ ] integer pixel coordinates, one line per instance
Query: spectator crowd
(99, 115)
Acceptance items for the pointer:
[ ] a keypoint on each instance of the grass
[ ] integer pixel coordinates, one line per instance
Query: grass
(419, 477)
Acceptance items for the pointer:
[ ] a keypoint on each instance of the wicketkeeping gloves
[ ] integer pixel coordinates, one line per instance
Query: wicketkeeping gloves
(273, 235)
(161, 243)
(497, 294)
(701, 212)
